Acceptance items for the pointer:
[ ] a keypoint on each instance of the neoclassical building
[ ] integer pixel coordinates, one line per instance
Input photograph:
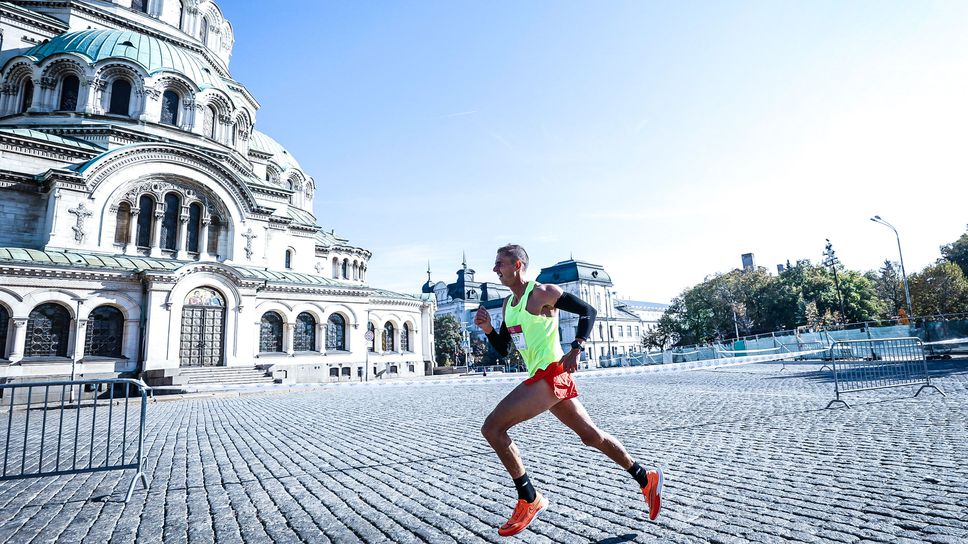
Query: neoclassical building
(147, 227)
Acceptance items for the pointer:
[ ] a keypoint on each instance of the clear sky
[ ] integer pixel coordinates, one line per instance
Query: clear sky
(659, 139)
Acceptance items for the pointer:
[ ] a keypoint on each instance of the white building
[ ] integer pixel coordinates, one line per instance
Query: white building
(147, 227)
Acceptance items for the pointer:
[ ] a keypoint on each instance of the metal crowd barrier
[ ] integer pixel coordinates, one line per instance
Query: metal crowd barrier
(862, 365)
(60, 428)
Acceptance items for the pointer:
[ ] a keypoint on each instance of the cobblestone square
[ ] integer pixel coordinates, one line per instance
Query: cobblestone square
(750, 455)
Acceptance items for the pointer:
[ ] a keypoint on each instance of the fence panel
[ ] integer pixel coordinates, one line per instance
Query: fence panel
(61, 428)
(863, 365)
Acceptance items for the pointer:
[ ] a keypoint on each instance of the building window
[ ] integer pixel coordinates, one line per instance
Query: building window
(304, 337)
(288, 259)
(405, 337)
(4, 323)
(410, 368)
(346, 266)
(27, 98)
(629, 330)
(70, 88)
(194, 223)
(388, 337)
(105, 329)
(372, 331)
(169, 108)
(120, 97)
(336, 333)
(48, 329)
(335, 268)
(637, 333)
(208, 123)
(122, 224)
(140, 5)
(270, 333)
(169, 223)
(214, 231)
(203, 32)
(146, 205)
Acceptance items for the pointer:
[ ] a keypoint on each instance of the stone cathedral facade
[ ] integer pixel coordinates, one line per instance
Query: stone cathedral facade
(147, 227)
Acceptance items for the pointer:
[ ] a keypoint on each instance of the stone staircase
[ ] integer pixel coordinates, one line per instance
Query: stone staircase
(206, 377)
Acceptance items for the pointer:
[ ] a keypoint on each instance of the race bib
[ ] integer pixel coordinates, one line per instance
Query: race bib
(517, 334)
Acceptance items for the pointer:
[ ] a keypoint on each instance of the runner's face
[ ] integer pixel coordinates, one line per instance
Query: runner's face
(506, 268)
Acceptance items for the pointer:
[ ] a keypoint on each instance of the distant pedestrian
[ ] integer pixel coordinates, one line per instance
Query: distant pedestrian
(531, 322)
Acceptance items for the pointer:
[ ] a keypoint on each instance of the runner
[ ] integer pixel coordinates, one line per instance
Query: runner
(531, 322)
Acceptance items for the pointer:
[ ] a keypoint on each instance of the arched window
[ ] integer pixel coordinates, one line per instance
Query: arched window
(105, 329)
(388, 337)
(208, 123)
(146, 205)
(203, 32)
(169, 224)
(48, 329)
(214, 226)
(405, 337)
(169, 108)
(304, 337)
(346, 267)
(336, 333)
(121, 225)
(181, 12)
(372, 330)
(194, 223)
(140, 5)
(27, 98)
(120, 97)
(288, 259)
(4, 323)
(270, 333)
(335, 268)
(70, 88)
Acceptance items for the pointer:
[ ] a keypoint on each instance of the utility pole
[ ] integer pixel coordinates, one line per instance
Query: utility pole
(830, 259)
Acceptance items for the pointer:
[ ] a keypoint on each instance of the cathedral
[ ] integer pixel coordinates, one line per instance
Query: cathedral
(148, 229)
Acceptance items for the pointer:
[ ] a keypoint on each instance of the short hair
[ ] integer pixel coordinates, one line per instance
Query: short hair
(515, 252)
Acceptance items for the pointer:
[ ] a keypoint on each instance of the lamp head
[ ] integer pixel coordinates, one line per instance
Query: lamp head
(876, 218)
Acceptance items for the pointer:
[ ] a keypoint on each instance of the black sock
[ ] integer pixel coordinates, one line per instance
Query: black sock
(638, 473)
(525, 489)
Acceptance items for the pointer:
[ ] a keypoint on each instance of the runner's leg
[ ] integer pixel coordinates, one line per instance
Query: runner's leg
(521, 404)
(573, 414)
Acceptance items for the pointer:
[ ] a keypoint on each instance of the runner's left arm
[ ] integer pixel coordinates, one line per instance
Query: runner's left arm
(585, 311)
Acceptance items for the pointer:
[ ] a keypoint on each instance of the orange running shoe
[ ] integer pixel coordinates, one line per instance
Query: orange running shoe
(653, 492)
(524, 513)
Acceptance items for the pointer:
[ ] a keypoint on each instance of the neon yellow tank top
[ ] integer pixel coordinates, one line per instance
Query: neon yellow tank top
(539, 334)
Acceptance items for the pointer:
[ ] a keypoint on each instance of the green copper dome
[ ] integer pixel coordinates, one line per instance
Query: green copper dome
(153, 54)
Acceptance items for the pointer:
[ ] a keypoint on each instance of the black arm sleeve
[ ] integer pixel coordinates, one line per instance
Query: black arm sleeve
(500, 341)
(570, 303)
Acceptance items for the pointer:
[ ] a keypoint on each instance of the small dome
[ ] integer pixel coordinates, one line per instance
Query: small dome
(259, 141)
(153, 54)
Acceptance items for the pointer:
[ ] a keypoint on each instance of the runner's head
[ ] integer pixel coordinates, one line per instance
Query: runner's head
(510, 263)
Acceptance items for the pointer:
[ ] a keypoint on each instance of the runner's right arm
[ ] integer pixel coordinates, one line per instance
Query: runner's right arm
(500, 341)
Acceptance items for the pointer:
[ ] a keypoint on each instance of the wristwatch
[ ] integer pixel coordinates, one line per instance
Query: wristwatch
(575, 344)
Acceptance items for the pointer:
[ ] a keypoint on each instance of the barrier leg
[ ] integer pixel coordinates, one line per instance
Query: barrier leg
(831, 403)
(932, 386)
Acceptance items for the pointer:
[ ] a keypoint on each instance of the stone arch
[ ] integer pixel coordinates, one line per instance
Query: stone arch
(16, 92)
(283, 309)
(43, 296)
(217, 278)
(352, 317)
(107, 72)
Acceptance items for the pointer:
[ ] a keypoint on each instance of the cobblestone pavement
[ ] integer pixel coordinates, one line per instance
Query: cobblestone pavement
(749, 452)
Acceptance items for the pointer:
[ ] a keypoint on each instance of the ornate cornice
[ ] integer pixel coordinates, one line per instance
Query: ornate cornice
(48, 150)
(40, 21)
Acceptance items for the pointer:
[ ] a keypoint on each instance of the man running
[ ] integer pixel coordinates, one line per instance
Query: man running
(531, 322)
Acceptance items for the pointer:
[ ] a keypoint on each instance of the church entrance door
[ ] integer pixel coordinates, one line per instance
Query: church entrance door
(202, 328)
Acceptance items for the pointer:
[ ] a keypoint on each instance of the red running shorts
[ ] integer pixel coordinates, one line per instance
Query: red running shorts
(560, 381)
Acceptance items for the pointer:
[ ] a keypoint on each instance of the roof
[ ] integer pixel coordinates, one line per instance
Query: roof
(642, 305)
(328, 239)
(301, 217)
(153, 54)
(53, 138)
(572, 270)
(122, 263)
(260, 141)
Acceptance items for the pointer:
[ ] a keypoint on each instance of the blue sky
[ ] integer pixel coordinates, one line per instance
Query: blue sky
(659, 139)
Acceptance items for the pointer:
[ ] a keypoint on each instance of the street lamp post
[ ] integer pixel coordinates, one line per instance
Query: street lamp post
(907, 290)
(831, 261)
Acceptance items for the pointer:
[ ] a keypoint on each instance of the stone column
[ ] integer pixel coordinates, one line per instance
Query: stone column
(156, 231)
(321, 337)
(131, 248)
(80, 334)
(182, 254)
(289, 338)
(19, 339)
(95, 90)
(203, 240)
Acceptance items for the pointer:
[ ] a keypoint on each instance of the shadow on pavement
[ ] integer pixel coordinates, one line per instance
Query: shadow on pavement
(618, 539)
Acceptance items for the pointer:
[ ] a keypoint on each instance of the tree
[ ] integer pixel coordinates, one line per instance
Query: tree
(957, 252)
(448, 334)
(888, 288)
(939, 289)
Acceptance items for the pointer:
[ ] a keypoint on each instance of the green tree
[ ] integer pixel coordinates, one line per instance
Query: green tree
(448, 335)
(939, 289)
(888, 288)
(957, 252)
